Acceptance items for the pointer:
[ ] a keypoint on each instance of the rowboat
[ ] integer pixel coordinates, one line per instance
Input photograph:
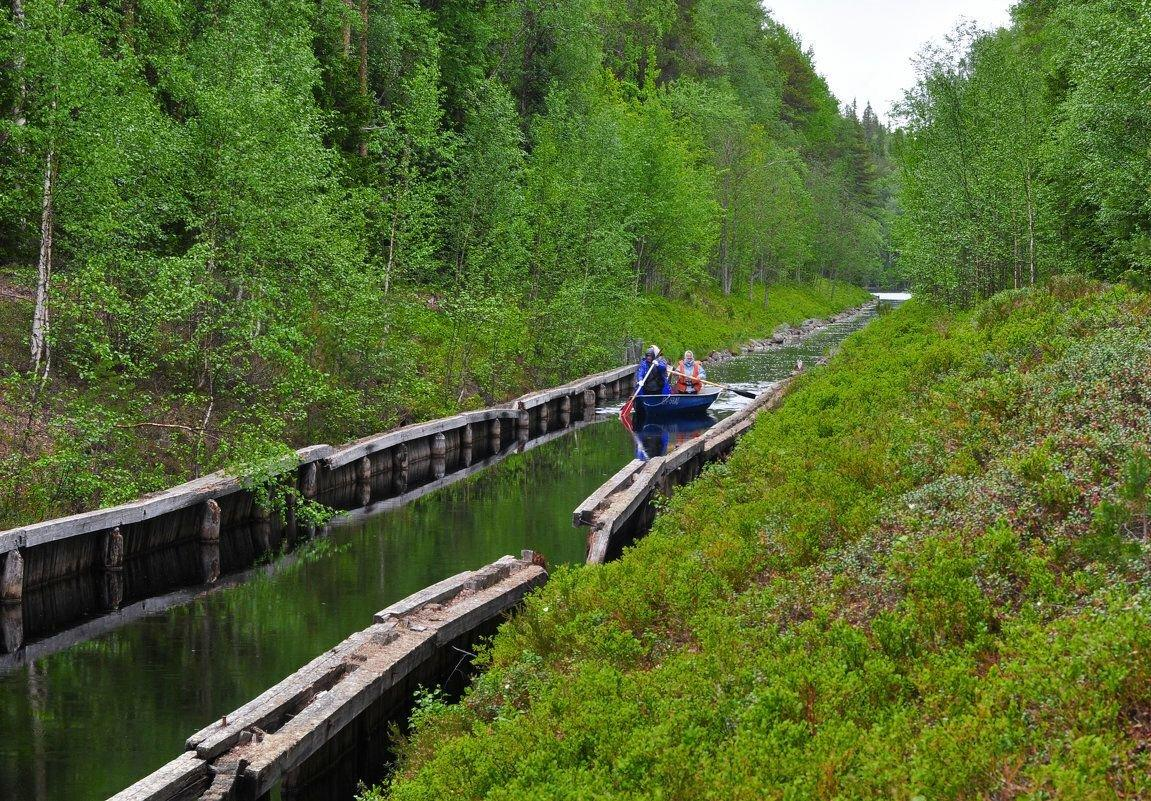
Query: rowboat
(649, 406)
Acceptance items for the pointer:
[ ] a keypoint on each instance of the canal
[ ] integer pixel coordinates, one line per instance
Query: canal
(87, 721)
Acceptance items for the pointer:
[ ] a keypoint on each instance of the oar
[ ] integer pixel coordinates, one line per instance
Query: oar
(742, 392)
(627, 407)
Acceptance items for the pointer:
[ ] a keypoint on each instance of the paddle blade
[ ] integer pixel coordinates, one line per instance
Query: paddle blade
(625, 412)
(744, 393)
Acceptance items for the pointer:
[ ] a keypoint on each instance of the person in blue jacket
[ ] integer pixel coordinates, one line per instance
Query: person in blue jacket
(653, 378)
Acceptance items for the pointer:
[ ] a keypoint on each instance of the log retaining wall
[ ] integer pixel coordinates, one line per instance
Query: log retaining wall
(193, 533)
(623, 509)
(338, 705)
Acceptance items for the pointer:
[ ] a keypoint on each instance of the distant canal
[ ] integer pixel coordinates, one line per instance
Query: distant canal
(88, 721)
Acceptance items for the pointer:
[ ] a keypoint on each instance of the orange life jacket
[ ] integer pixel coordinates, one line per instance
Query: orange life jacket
(683, 381)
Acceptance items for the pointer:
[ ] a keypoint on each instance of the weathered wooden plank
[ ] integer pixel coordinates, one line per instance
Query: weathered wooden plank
(584, 513)
(681, 456)
(473, 611)
(598, 540)
(625, 504)
(534, 399)
(266, 710)
(490, 575)
(185, 777)
(331, 711)
(437, 593)
(378, 442)
(147, 507)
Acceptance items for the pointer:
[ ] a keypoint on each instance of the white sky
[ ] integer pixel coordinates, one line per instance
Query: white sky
(864, 48)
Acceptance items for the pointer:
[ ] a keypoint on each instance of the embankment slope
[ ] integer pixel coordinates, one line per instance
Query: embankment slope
(926, 575)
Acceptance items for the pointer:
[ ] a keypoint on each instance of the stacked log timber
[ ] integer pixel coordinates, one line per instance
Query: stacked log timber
(276, 736)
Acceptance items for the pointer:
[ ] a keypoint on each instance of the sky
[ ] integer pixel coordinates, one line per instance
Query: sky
(864, 48)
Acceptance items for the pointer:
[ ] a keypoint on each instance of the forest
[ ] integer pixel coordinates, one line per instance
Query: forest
(231, 225)
(1026, 152)
(924, 576)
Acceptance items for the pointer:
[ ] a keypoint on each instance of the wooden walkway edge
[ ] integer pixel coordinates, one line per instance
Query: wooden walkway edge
(248, 751)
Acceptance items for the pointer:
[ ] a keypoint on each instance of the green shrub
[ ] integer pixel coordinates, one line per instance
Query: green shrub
(924, 576)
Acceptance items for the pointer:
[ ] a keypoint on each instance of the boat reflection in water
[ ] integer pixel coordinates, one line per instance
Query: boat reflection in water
(658, 438)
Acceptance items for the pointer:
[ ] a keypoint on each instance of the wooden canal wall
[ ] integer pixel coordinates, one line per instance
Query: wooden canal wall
(192, 534)
(335, 710)
(622, 510)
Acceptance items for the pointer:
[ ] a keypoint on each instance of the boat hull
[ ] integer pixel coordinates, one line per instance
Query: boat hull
(675, 405)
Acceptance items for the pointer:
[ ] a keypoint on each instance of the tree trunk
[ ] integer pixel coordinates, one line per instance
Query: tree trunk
(639, 263)
(391, 249)
(1030, 225)
(40, 352)
(346, 29)
(364, 65)
(1015, 260)
(18, 65)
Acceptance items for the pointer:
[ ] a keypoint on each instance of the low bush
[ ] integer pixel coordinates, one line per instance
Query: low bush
(925, 576)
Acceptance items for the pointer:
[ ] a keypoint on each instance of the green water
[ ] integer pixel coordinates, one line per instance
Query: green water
(84, 723)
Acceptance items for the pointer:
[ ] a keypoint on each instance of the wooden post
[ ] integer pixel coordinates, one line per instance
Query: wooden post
(113, 548)
(310, 487)
(467, 440)
(589, 404)
(400, 467)
(112, 590)
(12, 578)
(495, 436)
(566, 404)
(400, 458)
(364, 480)
(11, 628)
(439, 455)
(209, 521)
(310, 480)
(210, 541)
(523, 425)
(262, 530)
(601, 393)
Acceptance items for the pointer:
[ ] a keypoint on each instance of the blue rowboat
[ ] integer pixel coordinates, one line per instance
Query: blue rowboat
(676, 405)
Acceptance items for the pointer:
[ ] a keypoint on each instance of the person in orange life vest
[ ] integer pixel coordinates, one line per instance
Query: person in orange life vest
(690, 372)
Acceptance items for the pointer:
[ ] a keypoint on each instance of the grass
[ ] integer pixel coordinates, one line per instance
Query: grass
(925, 577)
(91, 440)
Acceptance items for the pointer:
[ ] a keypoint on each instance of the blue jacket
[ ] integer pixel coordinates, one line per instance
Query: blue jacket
(659, 372)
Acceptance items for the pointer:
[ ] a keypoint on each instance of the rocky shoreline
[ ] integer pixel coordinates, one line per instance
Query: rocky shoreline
(786, 335)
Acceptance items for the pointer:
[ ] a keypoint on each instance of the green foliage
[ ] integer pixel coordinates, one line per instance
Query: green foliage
(292, 222)
(836, 613)
(1028, 152)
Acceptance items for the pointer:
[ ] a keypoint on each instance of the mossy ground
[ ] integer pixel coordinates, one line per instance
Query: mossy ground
(925, 577)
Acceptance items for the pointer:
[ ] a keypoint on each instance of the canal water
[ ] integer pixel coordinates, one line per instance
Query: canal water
(84, 723)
